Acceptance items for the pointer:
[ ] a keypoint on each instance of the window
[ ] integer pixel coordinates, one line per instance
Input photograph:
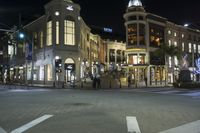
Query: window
(169, 32)
(132, 34)
(199, 49)
(170, 42)
(41, 73)
(170, 61)
(176, 60)
(57, 32)
(156, 35)
(49, 72)
(141, 34)
(49, 33)
(41, 40)
(182, 35)
(69, 32)
(141, 18)
(175, 34)
(190, 47)
(183, 46)
(195, 48)
(175, 44)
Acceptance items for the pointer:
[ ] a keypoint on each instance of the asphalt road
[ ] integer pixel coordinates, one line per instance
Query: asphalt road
(94, 111)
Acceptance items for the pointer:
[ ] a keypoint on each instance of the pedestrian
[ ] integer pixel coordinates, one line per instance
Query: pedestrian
(98, 81)
(145, 79)
(129, 80)
(94, 81)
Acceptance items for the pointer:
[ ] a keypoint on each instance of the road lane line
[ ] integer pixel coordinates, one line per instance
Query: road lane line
(193, 127)
(132, 125)
(2, 130)
(31, 124)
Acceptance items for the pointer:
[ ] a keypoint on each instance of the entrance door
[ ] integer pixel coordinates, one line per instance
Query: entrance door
(69, 70)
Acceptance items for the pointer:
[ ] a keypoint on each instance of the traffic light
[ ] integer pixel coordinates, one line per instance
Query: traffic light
(58, 65)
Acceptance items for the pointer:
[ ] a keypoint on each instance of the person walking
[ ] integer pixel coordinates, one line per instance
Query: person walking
(98, 81)
(129, 80)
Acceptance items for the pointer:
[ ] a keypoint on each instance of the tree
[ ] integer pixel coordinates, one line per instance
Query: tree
(165, 51)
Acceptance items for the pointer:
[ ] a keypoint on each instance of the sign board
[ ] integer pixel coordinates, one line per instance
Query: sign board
(70, 66)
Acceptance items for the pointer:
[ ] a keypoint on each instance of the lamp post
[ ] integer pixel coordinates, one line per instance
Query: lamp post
(28, 54)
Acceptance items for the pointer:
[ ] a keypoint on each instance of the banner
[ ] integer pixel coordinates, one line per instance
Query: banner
(28, 51)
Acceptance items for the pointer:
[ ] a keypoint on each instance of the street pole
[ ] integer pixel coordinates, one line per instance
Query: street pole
(32, 61)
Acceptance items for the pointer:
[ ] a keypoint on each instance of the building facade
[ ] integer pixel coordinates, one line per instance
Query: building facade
(146, 34)
(59, 48)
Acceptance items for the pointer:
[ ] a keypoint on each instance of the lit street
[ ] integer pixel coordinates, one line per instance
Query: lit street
(37, 110)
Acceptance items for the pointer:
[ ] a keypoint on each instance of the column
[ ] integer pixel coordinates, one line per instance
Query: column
(115, 57)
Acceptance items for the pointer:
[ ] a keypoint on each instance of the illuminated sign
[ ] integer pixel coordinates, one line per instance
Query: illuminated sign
(107, 30)
(70, 8)
(197, 61)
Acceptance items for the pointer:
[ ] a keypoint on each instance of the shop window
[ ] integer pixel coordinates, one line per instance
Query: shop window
(69, 32)
(49, 33)
(132, 34)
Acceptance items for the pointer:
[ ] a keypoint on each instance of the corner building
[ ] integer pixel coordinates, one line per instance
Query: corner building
(145, 34)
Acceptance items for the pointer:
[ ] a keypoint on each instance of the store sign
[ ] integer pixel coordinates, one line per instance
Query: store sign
(70, 8)
(70, 67)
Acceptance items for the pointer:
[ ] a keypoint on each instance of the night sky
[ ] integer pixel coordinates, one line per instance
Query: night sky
(103, 13)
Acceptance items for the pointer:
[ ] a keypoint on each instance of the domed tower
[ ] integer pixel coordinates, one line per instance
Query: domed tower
(135, 23)
(136, 41)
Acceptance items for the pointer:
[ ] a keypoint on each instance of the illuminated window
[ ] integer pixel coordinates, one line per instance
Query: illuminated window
(10, 50)
(170, 61)
(170, 42)
(183, 46)
(49, 72)
(69, 33)
(49, 33)
(176, 60)
(57, 32)
(175, 34)
(41, 40)
(41, 73)
(182, 35)
(169, 32)
(199, 49)
(190, 47)
(175, 44)
(195, 48)
(132, 34)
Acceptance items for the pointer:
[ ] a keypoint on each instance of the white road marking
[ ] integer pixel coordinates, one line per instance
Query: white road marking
(194, 94)
(2, 130)
(193, 127)
(132, 125)
(31, 124)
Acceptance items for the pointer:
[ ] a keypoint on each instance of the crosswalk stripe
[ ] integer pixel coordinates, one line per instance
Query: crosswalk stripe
(193, 127)
(31, 124)
(132, 125)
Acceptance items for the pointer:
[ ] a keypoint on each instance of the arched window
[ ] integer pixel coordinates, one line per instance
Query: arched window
(69, 31)
(49, 32)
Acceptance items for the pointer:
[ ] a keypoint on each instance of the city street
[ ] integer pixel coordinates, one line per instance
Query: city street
(39, 110)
